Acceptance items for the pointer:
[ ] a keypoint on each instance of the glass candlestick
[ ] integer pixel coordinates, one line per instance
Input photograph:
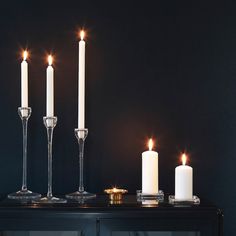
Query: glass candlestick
(50, 123)
(81, 135)
(24, 193)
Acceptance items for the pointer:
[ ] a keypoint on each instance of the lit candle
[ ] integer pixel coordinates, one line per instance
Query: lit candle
(24, 80)
(115, 190)
(50, 88)
(150, 170)
(183, 180)
(115, 194)
(81, 89)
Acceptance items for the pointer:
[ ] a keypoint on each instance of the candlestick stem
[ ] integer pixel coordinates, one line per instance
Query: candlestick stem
(24, 177)
(81, 164)
(81, 135)
(49, 135)
(24, 193)
(50, 123)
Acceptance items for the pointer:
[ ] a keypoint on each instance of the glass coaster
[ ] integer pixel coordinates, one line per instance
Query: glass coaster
(143, 196)
(194, 201)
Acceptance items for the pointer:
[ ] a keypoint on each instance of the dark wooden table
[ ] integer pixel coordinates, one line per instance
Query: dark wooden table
(100, 217)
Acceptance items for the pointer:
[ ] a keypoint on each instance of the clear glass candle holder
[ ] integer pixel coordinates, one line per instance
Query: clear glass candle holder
(81, 135)
(50, 123)
(24, 194)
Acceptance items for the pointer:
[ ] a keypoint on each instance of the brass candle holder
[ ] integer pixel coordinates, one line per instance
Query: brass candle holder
(115, 194)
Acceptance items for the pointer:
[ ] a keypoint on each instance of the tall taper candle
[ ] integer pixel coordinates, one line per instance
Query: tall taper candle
(81, 89)
(150, 170)
(50, 88)
(24, 80)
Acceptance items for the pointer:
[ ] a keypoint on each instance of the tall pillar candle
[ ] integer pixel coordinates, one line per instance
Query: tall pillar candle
(183, 181)
(81, 83)
(50, 88)
(150, 170)
(24, 80)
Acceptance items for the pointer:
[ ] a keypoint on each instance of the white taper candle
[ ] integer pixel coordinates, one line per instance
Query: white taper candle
(24, 80)
(81, 83)
(50, 88)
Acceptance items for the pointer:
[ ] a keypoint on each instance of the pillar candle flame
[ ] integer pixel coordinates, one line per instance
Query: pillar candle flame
(184, 159)
(150, 144)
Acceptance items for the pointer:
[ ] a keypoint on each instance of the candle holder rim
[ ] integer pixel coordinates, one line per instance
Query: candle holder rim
(152, 196)
(28, 108)
(50, 117)
(118, 190)
(79, 129)
(24, 112)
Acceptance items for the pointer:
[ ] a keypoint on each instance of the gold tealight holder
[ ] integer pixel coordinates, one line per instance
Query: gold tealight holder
(115, 194)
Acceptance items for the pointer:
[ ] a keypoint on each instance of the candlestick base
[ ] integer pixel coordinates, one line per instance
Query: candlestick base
(50, 200)
(24, 195)
(144, 196)
(80, 195)
(194, 201)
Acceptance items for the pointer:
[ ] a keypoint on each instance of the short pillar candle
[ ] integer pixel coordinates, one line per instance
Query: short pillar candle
(183, 180)
(150, 170)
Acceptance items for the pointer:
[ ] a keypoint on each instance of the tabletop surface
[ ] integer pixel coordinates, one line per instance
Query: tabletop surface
(102, 203)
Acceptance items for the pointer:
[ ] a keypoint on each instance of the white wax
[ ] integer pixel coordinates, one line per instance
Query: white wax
(50, 91)
(150, 172)
(81, 89)
(24, 84)
(183, 182)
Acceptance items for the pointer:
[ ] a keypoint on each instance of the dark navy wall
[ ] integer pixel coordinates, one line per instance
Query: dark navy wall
(166, 70)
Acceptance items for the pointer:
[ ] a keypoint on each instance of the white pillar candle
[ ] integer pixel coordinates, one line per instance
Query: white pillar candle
(81, 83)
(50, 88)
(150, 170)
(24, 80)
(184, 181)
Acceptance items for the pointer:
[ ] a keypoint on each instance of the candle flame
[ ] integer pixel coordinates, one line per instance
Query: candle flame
(184, 159)
(114, 189)
(82, 34)
(150, 144)
(50, 59)
(25, 55)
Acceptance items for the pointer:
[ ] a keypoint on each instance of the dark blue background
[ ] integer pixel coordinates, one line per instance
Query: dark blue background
(164, 70)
